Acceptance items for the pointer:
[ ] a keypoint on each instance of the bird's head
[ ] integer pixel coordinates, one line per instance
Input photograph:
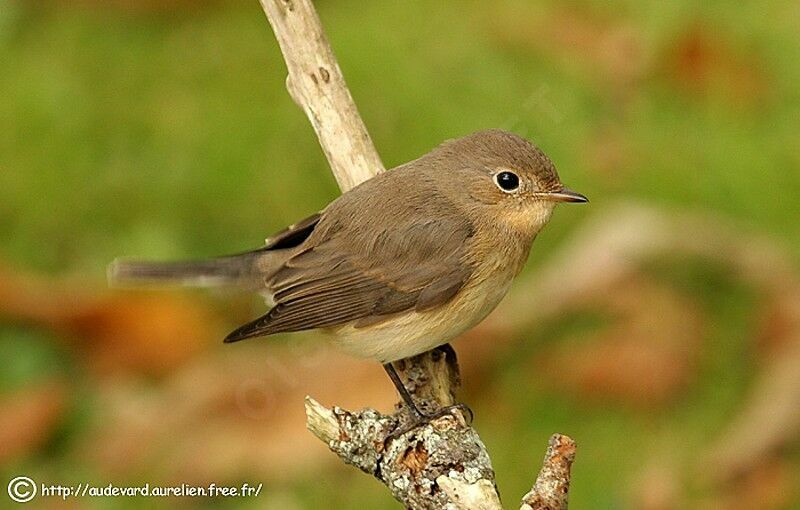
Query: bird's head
(505, 178)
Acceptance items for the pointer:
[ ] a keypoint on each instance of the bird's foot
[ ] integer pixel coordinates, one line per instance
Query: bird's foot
(419, 419)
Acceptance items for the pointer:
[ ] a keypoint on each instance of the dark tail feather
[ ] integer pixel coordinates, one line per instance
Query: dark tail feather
(232, 270)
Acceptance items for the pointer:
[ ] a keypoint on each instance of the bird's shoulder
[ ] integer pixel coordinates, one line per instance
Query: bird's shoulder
(402, 211)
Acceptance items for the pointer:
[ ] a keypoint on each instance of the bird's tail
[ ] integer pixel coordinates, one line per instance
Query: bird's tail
(237, 270)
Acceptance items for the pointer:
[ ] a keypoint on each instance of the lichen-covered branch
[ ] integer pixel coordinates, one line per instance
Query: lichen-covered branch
(551, 490)
(442, 464)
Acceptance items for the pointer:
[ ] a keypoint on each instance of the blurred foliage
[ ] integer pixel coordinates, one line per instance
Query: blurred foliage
(164, 130)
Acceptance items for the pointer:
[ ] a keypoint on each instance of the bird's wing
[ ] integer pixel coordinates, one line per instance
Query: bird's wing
(293, 235)
(366, 272)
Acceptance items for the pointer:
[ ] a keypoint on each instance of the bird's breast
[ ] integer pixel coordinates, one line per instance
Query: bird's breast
(409, 333)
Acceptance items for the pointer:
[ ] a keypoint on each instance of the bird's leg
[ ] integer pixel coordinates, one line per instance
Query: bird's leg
(403, 391)
(418, 417)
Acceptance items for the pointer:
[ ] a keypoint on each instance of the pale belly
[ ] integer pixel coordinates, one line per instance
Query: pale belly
(407, 334)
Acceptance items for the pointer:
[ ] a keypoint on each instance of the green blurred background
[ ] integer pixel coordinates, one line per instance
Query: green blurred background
(164, 130)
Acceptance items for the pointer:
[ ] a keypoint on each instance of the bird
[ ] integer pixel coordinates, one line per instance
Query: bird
(400, 264)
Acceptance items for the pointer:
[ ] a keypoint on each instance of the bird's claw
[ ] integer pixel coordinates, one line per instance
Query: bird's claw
(419, 419)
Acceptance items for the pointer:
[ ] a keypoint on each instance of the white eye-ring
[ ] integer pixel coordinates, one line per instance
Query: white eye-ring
(508, 182)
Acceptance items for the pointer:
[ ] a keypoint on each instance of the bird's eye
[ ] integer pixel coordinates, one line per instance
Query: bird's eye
(507, 181)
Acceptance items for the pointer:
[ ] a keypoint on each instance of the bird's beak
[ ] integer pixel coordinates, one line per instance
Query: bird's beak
(566, 195)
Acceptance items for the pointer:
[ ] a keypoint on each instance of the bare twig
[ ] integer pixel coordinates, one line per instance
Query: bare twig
(442, 464)
(316, 84)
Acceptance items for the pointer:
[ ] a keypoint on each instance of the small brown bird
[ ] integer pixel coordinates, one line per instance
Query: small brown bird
(402, 263)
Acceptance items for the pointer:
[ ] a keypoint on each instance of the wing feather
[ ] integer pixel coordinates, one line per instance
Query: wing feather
(368, 271)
